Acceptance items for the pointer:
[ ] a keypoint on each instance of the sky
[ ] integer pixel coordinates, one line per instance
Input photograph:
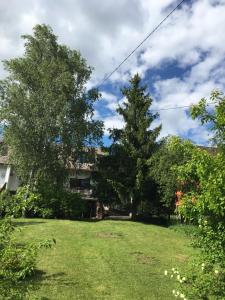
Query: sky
(180, 63)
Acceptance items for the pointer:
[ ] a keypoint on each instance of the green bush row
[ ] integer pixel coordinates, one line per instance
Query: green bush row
(46, 203)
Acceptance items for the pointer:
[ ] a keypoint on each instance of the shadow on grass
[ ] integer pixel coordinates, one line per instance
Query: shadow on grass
(28, 288)
(18, 223)
(88, 220)
(158, 221)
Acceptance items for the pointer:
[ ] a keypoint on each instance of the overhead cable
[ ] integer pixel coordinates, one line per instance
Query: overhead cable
(140, 44)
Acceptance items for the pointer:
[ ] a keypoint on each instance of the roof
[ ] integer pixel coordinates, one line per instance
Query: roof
(81, 166)
(210, 150)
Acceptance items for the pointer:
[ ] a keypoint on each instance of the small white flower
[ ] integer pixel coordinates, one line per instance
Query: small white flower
(182, 295)
(181, 281)
(184, 278)
(171, 276)
(173, 269)
(165, 272)
(173, 291)
(178, 277)
(216, 272)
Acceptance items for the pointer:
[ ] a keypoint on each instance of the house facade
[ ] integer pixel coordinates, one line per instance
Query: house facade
(8, 179)
(80, 180)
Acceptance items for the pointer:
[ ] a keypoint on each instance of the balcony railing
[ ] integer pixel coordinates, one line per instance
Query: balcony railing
(82, 191)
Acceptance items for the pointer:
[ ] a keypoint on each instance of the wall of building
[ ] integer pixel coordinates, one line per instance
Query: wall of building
(3, 169)
(13, 182)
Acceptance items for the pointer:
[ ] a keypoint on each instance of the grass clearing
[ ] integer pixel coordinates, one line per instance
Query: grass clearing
(105, 260)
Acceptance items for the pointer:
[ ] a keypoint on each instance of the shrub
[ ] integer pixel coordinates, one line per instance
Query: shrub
(188, 209)
(49, 202)
(23, 204)
(17, 261)
(200, 281)
(59, 203)
(6, 203)
(205, 205)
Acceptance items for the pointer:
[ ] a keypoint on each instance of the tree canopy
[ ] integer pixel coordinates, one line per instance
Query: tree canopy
(214, 117)
(133, 145)
(172, 152)
(45, 109)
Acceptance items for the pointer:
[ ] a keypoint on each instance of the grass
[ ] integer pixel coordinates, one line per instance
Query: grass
(105, 260)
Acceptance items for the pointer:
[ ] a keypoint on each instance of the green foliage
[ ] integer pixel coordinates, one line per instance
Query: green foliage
(133, 146)
(214, 118)
(201, 281)
(6, 205)
(59, 203)
(49, 202)
(17, 261)
(188, 208)
(208, 171)
(204, 202)
(24, 203)
(173, 152)
(205, 205)
(46, 111)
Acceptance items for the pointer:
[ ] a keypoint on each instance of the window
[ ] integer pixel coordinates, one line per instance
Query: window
(79, 183)
(74, 183)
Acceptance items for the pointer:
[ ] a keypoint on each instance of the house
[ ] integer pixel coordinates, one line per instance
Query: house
(8, 178)
(79, 180)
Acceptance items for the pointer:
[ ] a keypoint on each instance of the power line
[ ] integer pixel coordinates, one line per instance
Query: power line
(179, 107)
(140, 44)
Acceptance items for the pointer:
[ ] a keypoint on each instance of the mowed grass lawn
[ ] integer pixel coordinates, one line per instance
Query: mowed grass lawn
(105, 260)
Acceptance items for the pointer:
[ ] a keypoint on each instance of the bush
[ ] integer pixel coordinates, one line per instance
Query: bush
(59, 203)
(6, 203)
(17, 261)
(205, 205)
(188, 209)
(24, 203)
(49, 202)
(200, 281)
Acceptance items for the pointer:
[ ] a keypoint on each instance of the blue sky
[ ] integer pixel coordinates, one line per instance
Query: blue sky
(181, 63)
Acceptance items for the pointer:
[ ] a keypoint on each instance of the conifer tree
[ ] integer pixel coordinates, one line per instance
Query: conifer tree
(134, 144)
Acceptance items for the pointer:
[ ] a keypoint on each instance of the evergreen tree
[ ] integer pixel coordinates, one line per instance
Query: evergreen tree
(134, 144)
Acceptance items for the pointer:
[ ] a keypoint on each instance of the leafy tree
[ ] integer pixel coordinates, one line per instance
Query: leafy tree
(173, 152)
(214, 118)
(134, 144)
(205, 204)
(45, 109)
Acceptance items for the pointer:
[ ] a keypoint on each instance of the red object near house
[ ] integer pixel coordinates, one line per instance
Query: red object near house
(178, 194)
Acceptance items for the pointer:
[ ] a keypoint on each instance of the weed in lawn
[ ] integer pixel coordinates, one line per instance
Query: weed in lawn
(110, 235)
(142, 258)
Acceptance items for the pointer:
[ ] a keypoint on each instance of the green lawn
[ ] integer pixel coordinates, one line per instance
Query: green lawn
(105, 260)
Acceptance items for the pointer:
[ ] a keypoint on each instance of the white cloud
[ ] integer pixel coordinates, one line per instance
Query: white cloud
(114, 121)
(105, 32)
(112, 101)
